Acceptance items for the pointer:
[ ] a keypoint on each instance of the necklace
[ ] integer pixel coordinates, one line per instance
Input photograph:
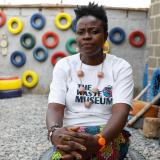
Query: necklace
(100, 75)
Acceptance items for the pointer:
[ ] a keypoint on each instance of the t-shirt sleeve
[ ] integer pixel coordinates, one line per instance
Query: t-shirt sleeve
(58, 86)
(123, 85)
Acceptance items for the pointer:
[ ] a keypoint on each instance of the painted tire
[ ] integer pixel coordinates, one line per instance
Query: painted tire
(65, 16)
(112, 35)
(24, 38)
(69, 44)
(7, 78)
(33, 76)
(22, 59)
(33, 21)
(73, 26)
(10, 84)
(19, 27)
(10, 93)
(55, 56)
(54, 36)
(134, 42)
(39, 58)
(2, 18)
(155, 84)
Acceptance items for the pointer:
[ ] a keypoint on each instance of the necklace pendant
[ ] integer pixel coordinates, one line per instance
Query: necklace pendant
(87, 104)
(95, 90)
(80, 73)
(100, 74)
(81, 90)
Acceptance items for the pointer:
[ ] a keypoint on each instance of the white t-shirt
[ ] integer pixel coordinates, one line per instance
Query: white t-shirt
(116, 87)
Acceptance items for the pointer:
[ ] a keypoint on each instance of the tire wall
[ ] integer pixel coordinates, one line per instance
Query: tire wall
(128, 20)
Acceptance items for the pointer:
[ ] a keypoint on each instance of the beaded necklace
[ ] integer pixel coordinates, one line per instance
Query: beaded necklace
(100, 75)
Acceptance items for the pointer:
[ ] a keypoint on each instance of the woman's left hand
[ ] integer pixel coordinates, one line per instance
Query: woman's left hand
(89, 141)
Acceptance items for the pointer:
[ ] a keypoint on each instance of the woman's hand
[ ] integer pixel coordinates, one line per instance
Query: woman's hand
(69, 142)
(74, 144)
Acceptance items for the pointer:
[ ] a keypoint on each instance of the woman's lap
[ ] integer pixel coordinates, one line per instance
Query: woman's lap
(116, 150)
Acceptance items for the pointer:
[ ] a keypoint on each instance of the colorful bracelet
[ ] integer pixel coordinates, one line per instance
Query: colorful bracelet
(101, 141)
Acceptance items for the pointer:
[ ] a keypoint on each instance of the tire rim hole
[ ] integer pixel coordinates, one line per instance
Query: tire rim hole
(18, 59)
(137, 38)
(29, 79)
(50, 40)
(27, 41)
(63, 21)
(40, 54)
(37, 21)
(14, 25)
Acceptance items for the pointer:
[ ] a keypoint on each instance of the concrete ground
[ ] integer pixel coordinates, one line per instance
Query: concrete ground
(23, 134)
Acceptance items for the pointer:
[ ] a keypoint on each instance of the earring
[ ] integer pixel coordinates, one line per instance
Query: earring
(77, 49)
(106, 47)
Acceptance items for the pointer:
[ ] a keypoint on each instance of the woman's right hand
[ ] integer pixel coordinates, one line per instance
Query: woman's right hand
(69, 142)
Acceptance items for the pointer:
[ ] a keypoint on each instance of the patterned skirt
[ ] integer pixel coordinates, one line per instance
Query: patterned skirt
(116, 150)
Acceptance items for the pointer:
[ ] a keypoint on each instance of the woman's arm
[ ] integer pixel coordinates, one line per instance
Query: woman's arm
(55, 113)
(112, 129)
(117, 121)
(68, 139)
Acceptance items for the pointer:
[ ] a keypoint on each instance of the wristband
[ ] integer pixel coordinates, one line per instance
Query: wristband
(101, 141)
(51, 131)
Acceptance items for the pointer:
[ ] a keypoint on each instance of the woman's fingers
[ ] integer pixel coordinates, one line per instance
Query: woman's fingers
(68, 157)
(76, 155)
(75, 146)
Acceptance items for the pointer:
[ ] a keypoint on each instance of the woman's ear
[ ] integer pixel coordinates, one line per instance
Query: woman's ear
(105, 36)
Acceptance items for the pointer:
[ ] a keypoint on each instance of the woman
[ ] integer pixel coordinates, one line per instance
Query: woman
(90, 95)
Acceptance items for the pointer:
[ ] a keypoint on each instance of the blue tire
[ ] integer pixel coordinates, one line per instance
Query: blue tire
(36, 55)
(113, 38)
(155, 84)
(33, 21)
(10, 93)
(22, 60)
(73, 26)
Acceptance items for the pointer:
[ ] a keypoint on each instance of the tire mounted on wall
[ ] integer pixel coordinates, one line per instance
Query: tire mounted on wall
(22, 58)
(112, 35)
(33, 21)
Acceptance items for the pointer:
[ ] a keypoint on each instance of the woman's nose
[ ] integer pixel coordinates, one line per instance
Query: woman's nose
(87, 35)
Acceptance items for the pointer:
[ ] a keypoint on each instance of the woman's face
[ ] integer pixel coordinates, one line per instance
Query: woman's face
(90, 35)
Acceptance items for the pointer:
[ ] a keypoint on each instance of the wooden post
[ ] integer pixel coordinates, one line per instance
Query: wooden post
(142, 92)
(151, 127)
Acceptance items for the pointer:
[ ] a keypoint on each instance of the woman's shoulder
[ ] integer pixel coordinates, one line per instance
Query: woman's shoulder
(115, 60)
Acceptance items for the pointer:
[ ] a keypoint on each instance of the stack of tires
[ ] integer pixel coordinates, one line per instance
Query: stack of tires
(10, 87)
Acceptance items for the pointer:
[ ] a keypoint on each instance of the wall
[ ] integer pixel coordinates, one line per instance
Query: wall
(154, 36)
(128, 19)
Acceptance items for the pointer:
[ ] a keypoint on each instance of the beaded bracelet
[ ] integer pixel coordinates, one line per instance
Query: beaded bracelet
(51, 131)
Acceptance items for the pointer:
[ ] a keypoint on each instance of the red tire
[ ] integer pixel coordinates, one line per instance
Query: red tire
(3, 18)
(55, 56)
(8, 78)
(46, 36)
(134, 42)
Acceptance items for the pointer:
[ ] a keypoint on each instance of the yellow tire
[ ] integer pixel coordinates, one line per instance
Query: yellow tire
(18, 28)
(10, 84)
(34, 79)
(61, 16)
(106, 47)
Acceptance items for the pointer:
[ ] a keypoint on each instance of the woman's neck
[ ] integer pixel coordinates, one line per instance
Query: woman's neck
(92, 60)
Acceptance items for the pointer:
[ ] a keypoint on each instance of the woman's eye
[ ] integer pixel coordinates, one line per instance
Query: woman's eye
(95, 31)
(80, 32)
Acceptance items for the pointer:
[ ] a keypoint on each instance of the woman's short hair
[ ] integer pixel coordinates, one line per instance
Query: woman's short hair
(93, 10)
